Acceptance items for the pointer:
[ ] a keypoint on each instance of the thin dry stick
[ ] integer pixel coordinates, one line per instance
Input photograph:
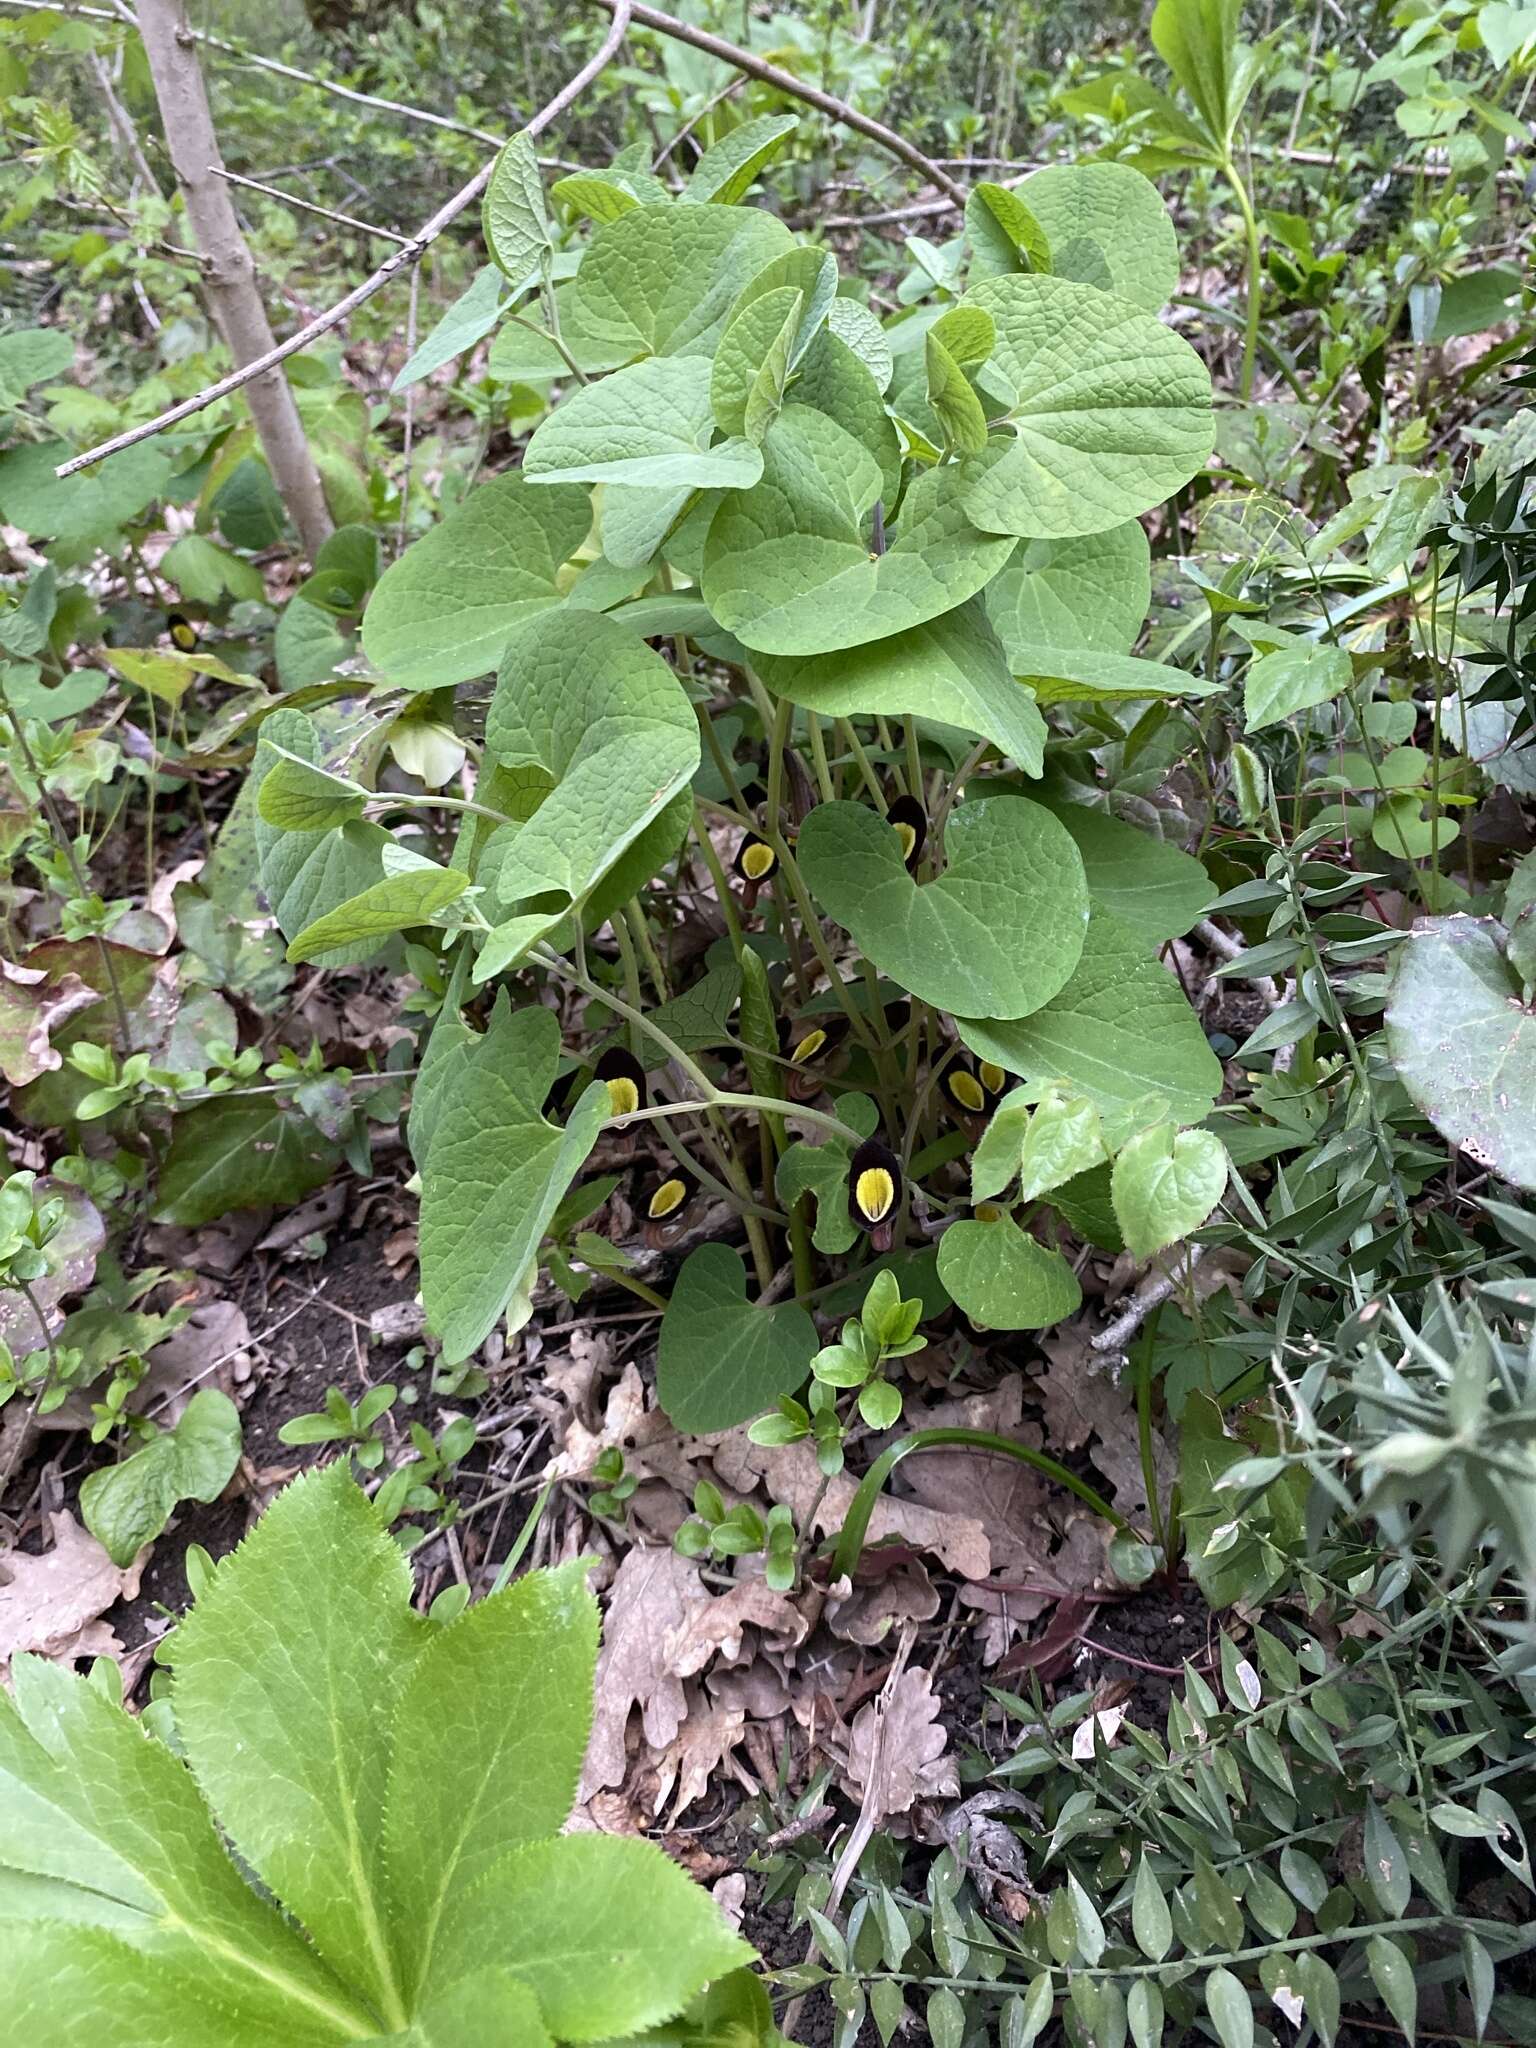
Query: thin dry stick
(1157, 1291)
(346, 220)
(796, 88)
(408, 253)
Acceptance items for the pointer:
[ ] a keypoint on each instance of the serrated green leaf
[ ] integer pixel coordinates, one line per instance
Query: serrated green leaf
(486, 2009)
(1165, 1183)
(1003, 1278)
(391, 905)
(1120, 1031)
(1090, 591)
(1464, 1044)
(513, 216)
(951, 669)
(1107, 226)
(30, 354)
(285, 1710)
(661, 280)
(494, 1171)
(722, 1358)
(728, 168)
(488, 1741)
(999, 931)
(788, 566)
(127, 1504)
(649, 425)
(586, 707)
(1111, 413)
(445, 610)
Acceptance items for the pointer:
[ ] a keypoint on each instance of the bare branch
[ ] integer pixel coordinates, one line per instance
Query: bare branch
(345, 220)
(796, 88)
(408, 253)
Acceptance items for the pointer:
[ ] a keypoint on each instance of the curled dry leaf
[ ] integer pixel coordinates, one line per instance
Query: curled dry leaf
(623, 1413)
(1083, 1405)
(31, 1006)
(718, 1627)
(652, 1594)
(52, 1603)
(896, 1750)
(868, 1613)
(689, 1762)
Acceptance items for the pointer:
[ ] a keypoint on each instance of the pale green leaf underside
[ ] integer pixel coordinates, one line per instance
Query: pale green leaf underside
(1091, 591)
(391, 905)
(488, 1743)
(494, 1173)
(722, 1358)
(1112, 411)
(649, 425)
(1001, 1276)
(513, 215)
(788, 567)
(952, 669)
(1464, 1043)
(728, 168)
(586, 703)
(306, 874)
(445, 610)
(998, 932)
(1119, 1031)
(1108, 227)
(1069, 675)
(1292, 679)
(285, 1710)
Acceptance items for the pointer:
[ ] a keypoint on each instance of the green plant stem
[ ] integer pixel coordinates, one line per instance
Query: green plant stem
(636, 919)
(819, 758)
(850, 1543)
(871, 781)
(720, 879)
(1145, 1345)
(387, 801)
(1255, 284)
(636, 1287)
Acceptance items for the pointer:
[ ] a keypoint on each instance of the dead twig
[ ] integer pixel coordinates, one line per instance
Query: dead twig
(409, 252)
(1151, 1296)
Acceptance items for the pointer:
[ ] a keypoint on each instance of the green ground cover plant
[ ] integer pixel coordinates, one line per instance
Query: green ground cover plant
(813, 852)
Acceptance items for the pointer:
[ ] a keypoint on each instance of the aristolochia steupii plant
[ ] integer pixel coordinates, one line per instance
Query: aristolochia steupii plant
(782, 589)
(396, 1784)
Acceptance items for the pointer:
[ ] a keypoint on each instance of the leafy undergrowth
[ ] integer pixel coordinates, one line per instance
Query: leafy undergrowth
(844, 953)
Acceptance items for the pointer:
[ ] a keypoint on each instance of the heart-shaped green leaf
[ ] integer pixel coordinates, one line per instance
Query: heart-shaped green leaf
(513, 216)
(1155, 887)
(1111, 411)
(788, 566)
(297, 796)
(835, 379)
(660, 280)
(446, 609)
(1464, 1042)
(650, 425)
(587, 708)
(951, 669)
(127, 1504)
(305, 874)
(722, 1358)
(1165, 1183)
(1121, 1030)
(1001, 1276)
(1091, 591)
(1107, 226)
(810, 272)
(1003, 923)
(1293, 678)
(495, 1171)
